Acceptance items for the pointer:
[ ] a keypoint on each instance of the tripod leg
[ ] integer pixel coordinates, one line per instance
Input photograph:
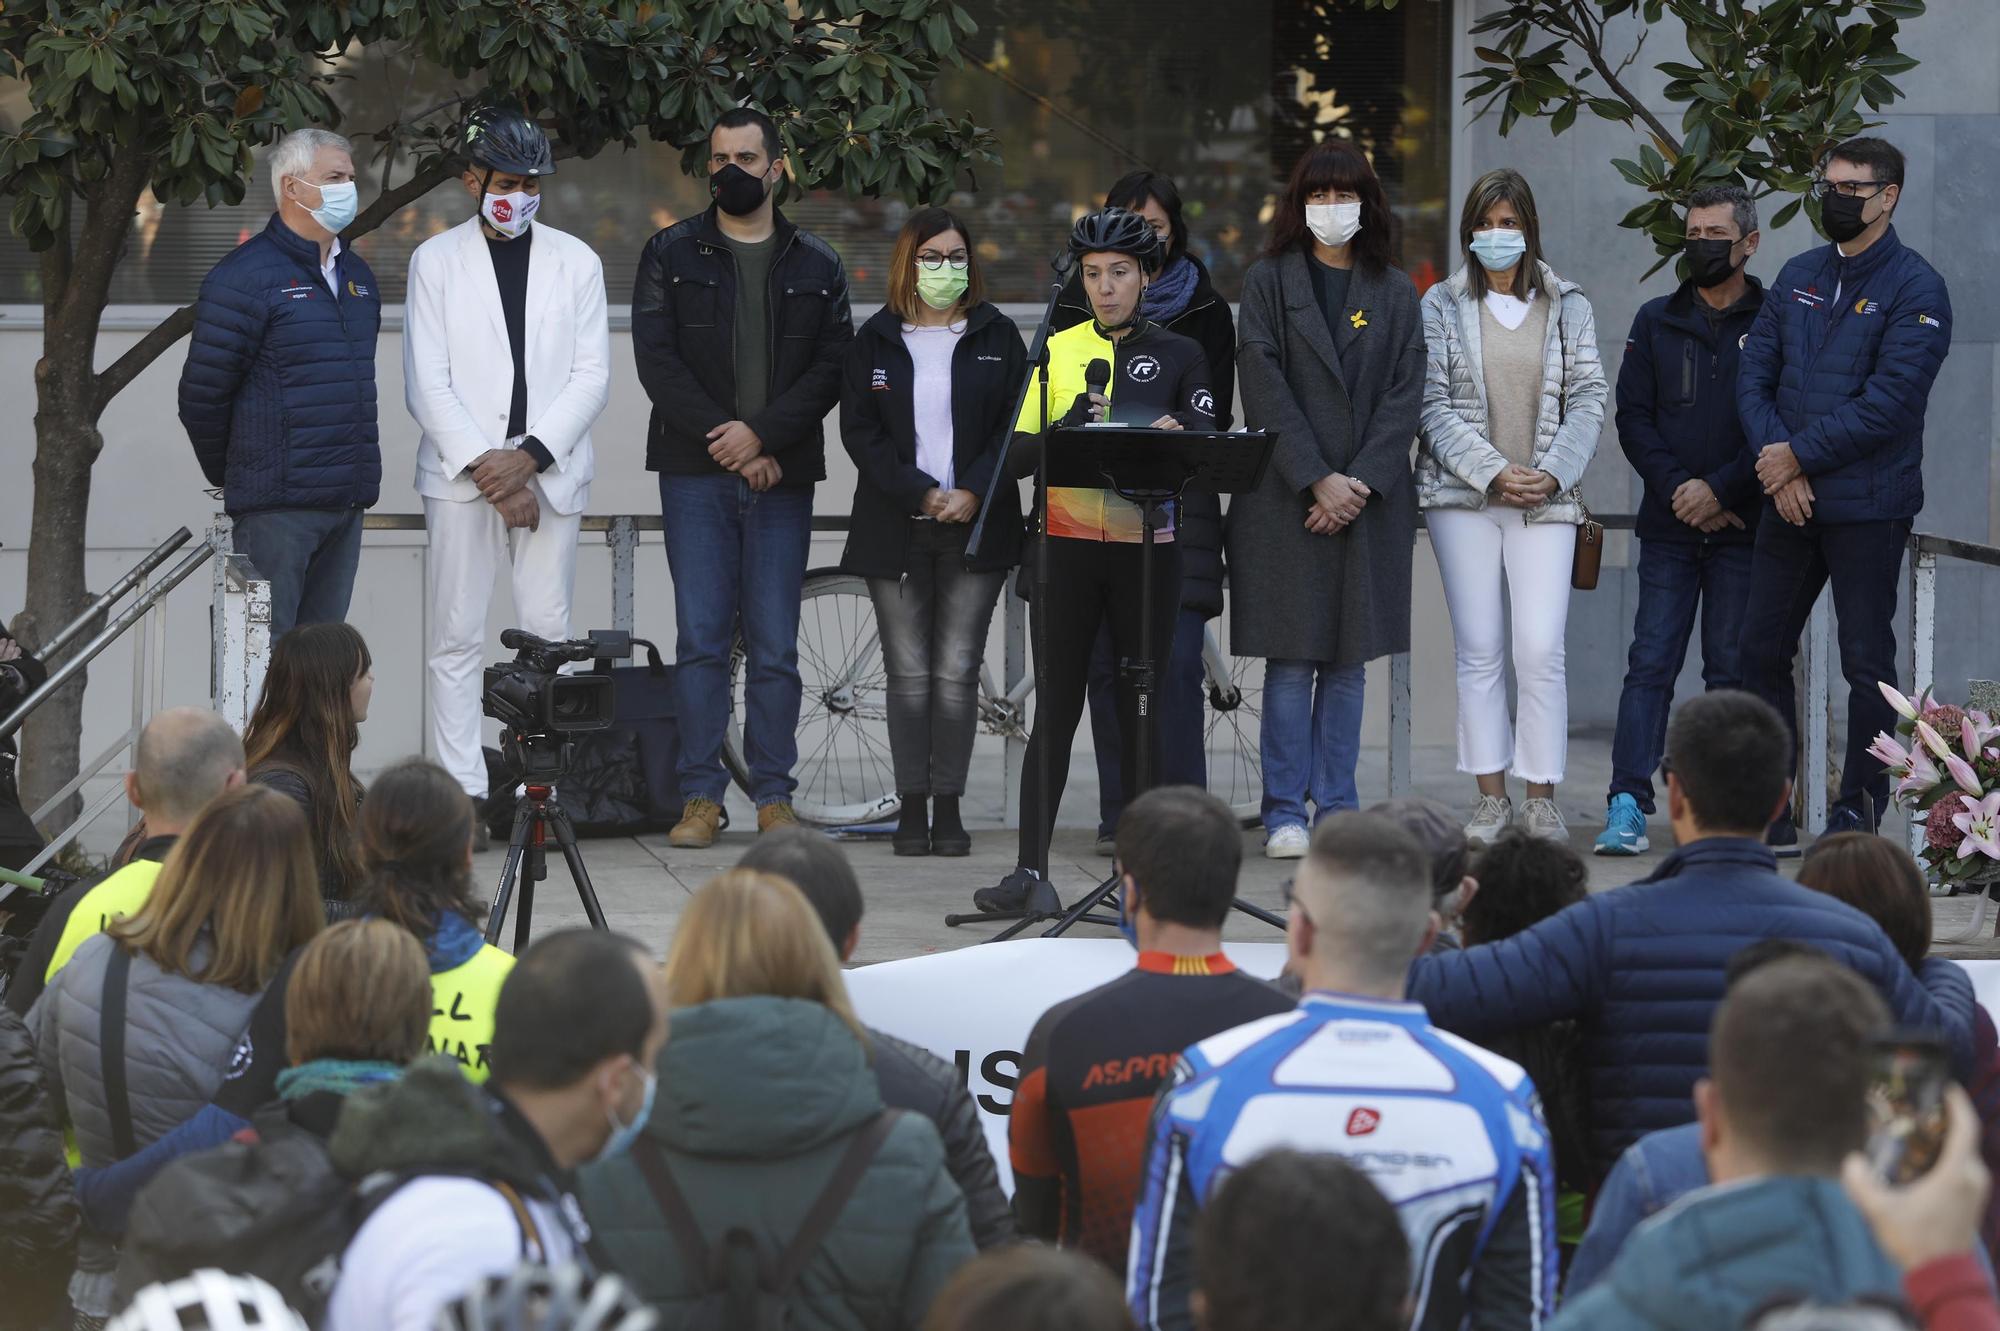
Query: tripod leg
(510, 869)
(537, 869)
(1077, 914)
(573, 855)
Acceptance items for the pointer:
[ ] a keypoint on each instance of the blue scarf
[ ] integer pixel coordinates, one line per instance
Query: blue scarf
(1167, 298)
(342, 1076)
(453, 943)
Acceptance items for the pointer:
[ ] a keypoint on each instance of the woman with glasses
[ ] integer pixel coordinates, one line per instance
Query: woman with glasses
(925, 414)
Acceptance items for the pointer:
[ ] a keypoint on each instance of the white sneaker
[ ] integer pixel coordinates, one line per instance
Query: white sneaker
(1544, 819)
(1490, 817)
(1289, 842)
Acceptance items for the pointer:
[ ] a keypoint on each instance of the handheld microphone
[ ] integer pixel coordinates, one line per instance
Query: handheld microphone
(1097, 375)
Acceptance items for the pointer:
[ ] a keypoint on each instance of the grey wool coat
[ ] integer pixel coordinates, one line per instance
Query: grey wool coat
(1343, 400)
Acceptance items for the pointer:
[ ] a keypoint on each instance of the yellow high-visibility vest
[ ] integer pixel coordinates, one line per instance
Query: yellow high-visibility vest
(463, 1000)
(117, 896)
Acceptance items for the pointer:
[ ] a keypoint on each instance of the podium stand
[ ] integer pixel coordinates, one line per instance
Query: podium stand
(1151, 468)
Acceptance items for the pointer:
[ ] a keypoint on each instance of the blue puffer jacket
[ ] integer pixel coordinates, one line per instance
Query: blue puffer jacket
(1641, 968)
(278, 393)
(1840, 364)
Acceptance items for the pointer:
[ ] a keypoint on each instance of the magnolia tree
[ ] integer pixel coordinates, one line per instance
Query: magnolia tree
(171, 96)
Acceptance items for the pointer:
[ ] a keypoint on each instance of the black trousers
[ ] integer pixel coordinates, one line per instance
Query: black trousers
(1092, 583)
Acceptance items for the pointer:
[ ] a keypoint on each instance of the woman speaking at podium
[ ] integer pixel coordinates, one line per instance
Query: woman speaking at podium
(1122, 368)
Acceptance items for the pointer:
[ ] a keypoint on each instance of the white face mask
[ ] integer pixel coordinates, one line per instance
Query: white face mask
(1333, 223)
(509, 214)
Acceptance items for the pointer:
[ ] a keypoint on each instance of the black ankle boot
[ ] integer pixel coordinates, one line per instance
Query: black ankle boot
(948, 834)
(913, 828)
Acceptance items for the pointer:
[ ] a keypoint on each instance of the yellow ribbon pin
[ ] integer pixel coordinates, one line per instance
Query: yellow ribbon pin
(1359, 318)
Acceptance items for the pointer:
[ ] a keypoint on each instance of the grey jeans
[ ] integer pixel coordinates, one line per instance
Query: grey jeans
(933, 623)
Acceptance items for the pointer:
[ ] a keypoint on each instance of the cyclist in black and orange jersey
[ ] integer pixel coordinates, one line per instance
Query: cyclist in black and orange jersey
(1157, 379)
(1077, 1131)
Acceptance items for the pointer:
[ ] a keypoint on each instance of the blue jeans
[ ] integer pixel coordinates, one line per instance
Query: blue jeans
(1675, 577)
(1310, 740)
(1862, 562)
(309, 555)
(1183, 718)
(734, 552)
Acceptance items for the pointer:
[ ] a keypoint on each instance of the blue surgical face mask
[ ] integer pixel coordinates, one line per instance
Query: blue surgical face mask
(624, 1134)
(338, 205)
(1499, 249)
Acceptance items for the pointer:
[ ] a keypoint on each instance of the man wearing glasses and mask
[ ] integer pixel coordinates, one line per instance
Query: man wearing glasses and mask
(1836, 374)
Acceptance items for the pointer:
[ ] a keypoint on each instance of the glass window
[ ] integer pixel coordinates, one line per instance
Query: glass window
(1223, 98)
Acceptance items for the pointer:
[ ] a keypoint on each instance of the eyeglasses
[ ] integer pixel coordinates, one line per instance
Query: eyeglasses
(937, 261)
(1852, 189)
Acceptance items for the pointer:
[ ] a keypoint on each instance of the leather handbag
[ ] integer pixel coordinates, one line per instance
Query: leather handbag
(1589, 556)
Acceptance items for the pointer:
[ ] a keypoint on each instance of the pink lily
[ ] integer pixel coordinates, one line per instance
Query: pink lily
(1961, 772)
(1922, 778)
(1889, 752)
(1981, 825)
(1932, 740)
(1904, 707)
(1969, 737)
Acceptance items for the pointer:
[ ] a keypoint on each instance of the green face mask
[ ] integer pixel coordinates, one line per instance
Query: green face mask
(942, 288)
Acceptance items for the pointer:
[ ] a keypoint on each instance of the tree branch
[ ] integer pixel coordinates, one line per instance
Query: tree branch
(1592, 41)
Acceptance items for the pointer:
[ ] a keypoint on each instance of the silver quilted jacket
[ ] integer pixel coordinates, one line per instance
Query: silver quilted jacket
(1456, 462)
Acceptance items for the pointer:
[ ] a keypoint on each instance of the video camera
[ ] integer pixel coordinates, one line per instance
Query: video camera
(530, 696)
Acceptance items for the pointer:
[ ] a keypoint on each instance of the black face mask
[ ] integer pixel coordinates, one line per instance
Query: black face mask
(1840, 214)
(1709, 263)
(736, 191)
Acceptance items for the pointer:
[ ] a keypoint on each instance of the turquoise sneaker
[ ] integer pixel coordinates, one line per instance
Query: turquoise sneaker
(1624, 829)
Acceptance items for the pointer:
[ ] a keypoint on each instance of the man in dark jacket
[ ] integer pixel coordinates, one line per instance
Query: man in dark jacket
(1181, 300)
(20, 675)
(1642, 967)
(278, 393)
(739, 327)
(1677, 423)
(910, 1077)
(1836, 376)
(38, 1215)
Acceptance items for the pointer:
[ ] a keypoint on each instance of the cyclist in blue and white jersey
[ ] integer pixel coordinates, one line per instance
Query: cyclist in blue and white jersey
(1451, 1134)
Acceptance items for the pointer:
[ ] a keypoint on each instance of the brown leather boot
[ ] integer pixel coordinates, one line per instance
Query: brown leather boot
(776, 814)
(701, 819)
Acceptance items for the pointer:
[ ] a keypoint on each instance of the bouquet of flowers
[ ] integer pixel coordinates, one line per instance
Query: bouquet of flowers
(1946, 765)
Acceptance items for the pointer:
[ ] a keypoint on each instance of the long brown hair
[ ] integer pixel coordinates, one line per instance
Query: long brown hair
(1881, 880)
(305, 722)
(924, 225)
(748, 933)
(361, 990)
(415, 831)
(1334, 164)
(1502, 185)
(243, 874)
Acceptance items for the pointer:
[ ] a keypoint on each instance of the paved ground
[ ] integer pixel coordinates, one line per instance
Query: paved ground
(643, 884)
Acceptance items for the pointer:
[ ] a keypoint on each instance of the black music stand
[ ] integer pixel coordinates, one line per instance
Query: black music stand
(1152, 468)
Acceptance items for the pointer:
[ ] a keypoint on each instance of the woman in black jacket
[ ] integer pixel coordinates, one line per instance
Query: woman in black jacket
(1182, 300)
(925, 411)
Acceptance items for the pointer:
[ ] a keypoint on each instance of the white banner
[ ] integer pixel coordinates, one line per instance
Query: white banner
(975, 1006)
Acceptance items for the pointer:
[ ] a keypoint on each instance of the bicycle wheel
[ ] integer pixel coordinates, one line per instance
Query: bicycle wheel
(844, 771)
(1234, 688)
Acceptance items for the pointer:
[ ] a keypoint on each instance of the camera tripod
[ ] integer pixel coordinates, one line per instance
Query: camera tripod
(537, 815)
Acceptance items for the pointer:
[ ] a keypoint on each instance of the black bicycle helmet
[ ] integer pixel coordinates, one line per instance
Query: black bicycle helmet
(541, 1298)
(500, 138)
(1117, 231)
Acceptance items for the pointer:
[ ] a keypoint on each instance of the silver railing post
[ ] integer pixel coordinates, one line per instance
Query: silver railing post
(1015, 747)
(242, 645)
(1923, 644)
(1812, 763)
(623, 538)
(1399, 724)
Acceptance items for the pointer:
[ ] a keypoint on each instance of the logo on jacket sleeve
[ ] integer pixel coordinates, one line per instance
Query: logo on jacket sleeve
(1363, 1121)
(1142, 369)
(1203, 401)
(1930, 320)
(878, 381)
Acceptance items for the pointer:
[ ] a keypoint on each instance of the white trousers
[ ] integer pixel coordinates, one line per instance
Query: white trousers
(469, 546)
(1475, 548)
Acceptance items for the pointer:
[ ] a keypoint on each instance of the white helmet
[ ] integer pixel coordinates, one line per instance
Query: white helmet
(208, 1300)
(540, 1298)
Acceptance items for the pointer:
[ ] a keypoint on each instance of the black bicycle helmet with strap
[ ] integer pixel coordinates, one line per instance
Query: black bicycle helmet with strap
(541, 1298)
(1117, 231)
(502, 139)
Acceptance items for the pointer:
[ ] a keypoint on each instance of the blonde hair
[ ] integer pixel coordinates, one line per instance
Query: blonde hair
(748, 933)
(244, 875)
(361, 990)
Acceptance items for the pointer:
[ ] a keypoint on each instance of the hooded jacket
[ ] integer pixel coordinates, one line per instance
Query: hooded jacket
(1718, 1255)
(1456, 462)
(758, 1098)
(38, 1213)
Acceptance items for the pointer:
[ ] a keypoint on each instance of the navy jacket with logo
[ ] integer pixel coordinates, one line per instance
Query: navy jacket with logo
(278, 393)
(1840, 364)
(1677, 419)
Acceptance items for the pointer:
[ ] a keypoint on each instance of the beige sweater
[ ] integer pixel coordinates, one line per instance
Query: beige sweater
(1512, 363)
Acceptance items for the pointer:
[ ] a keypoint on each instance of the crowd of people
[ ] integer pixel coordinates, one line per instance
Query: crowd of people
(1777, 434)
(1478, 1096)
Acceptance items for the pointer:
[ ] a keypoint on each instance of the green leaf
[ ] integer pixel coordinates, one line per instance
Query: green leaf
(1564, 117)
(1786, 213)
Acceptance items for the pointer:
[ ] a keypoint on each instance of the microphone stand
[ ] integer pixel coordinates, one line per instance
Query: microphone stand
(1042, 901)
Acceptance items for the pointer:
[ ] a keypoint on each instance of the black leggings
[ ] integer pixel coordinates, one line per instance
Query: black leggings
(1091, 583)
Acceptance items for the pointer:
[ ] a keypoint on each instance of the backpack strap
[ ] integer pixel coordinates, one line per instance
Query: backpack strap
(847, 1175)
(111, 1048)
(532, 1247)
(673, 1205)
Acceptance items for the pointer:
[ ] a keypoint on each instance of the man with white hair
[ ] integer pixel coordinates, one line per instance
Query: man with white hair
(1451, 1134)
(278, 393)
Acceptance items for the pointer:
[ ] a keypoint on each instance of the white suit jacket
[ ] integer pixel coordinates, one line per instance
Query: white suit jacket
(458, 365)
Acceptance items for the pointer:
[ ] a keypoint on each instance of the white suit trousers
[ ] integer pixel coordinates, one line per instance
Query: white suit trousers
(469, 546)
(1474, 548)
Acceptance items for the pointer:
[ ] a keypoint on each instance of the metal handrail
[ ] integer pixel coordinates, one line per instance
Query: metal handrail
(135, 575)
